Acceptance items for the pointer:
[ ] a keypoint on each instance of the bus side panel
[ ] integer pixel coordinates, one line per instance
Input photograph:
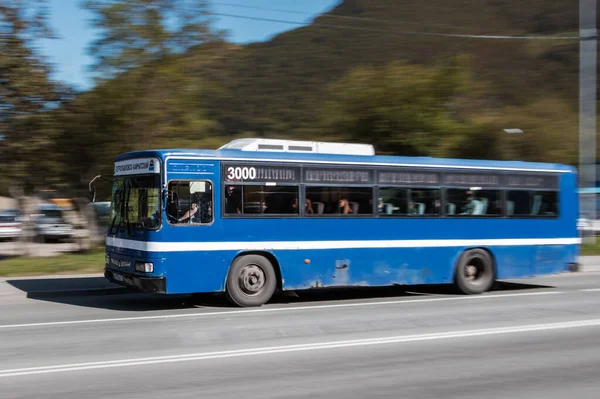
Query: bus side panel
(207, 271)
(551, 259)
(410, 266)
(513, 262)
(366, 267)
(190, 272)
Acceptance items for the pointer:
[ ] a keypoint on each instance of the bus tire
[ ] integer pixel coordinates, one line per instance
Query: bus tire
(474, 272)
(251, 281)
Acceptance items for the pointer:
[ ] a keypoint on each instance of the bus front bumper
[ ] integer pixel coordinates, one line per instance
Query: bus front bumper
(156, 285)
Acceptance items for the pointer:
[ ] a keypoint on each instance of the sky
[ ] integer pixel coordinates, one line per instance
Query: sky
(68, 53)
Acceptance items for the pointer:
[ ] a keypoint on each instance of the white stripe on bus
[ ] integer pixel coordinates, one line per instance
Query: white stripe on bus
(156, 246)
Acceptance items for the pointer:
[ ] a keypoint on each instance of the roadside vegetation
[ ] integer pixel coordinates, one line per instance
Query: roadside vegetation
(76, 263)
(591, 249)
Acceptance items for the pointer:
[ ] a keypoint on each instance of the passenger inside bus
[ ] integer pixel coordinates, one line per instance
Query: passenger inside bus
(469, 207)
(437, 207)
(190, 214)
(152, 221)
(200, 210)
(412, 208)
(345, 207)
(233, 199)
(308, 208)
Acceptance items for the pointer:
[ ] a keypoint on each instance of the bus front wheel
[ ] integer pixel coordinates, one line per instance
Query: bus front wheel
(251, 281)
(475, 272)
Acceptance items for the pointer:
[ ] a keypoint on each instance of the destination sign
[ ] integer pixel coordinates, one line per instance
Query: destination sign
(472, 179)
(408, 178)
(137, 166)
(532, 181)
(338, 176)
(250, 173)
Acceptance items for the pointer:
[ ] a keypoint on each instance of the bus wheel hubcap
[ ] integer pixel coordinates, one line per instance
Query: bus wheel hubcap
(252, 279)
(474, 272)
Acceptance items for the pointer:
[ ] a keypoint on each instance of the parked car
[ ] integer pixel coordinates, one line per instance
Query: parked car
(10, 225)
(50, 224)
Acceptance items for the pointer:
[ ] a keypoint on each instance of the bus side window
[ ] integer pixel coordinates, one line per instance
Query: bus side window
(340, 200)
(525, 203)
(191, 202)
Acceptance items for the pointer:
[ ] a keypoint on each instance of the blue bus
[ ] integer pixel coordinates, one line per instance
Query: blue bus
(260, 215)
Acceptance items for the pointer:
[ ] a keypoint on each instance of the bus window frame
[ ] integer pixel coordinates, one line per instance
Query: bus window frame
(191, 224)
(530, 191)
(408, 216)
(502, 197)
(373, 213)
(242, 215)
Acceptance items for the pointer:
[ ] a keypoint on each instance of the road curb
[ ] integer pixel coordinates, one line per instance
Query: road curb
(589, 264)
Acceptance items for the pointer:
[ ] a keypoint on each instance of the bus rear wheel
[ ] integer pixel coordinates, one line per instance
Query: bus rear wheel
(251, 281)
(475, 272)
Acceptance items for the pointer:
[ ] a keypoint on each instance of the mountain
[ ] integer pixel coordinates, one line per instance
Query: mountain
(277, 86)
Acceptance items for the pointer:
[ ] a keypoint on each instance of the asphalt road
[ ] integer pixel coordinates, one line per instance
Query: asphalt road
(536, 338)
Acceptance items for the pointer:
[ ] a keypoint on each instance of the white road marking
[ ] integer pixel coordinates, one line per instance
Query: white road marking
(299, 348)
(590, 290)
(279, 310)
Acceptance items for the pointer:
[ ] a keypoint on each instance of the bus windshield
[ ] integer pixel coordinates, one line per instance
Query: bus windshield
(135, 203)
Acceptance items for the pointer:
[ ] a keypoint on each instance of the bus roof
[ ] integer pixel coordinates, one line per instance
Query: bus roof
(366, 160)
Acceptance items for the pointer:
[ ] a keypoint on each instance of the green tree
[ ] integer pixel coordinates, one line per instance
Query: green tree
(155, 106)
(150, 93)
(401, 109)
(27, 96)
(136, 32)
(549, 129)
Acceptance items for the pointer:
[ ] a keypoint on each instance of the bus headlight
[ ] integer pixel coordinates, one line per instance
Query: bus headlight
(145, 267)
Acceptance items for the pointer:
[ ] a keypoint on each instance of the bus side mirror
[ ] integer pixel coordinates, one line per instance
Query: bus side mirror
(92, 188)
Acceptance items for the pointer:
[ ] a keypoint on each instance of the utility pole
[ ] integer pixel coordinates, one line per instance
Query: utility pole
(587, 104)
